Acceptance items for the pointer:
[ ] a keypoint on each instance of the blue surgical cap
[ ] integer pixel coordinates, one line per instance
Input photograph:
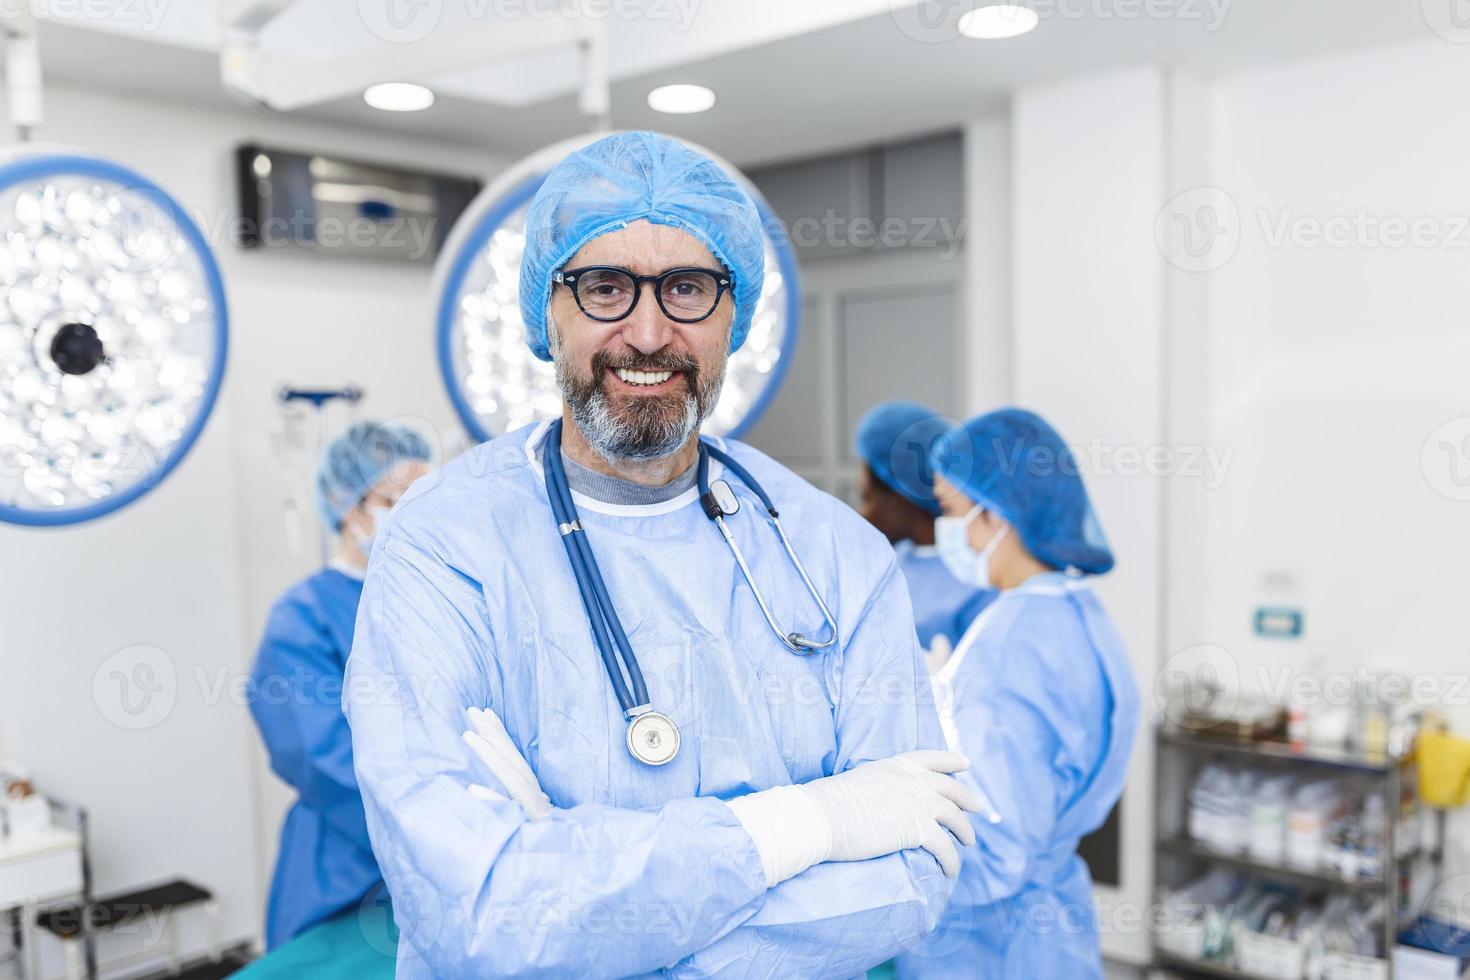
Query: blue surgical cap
(1014, 464)
(359, 458)
(634, 176)
(895, 440)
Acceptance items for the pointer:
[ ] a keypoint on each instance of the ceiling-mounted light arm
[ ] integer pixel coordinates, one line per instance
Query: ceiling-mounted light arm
(240, 63)
(284, 83)
(249, 16)
(22, 71)
(594, 95)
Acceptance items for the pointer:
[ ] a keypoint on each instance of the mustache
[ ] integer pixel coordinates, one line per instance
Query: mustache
(663, 360)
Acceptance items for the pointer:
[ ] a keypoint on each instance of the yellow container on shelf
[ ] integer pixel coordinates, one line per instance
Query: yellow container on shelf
(1444, 769)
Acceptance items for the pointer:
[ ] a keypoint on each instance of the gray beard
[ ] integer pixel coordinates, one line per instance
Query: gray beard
(643, 431)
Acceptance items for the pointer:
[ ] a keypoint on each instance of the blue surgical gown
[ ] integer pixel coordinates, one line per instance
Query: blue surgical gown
(943, 605)
(1040, 695)
(326, 862)
(470, 601)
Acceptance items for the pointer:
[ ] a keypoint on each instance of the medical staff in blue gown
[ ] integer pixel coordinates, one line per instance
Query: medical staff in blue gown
(802, 821)
(896, 495)
(1039, 692)
(326, 863)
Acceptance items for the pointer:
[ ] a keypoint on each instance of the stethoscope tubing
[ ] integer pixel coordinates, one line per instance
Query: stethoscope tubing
(612, 642)
(607, 630)
(795, 642)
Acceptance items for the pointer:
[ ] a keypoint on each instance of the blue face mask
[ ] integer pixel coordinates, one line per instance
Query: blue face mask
(952, 541)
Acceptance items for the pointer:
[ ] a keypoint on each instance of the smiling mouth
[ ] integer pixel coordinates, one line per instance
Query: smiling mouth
(646, 381)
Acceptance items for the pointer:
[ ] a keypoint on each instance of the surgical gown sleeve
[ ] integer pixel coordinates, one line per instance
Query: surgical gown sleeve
(1022, 736)
(295, 698)
(839, 919)
(590, 890)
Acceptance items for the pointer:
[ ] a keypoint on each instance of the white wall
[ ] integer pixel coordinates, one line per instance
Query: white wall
(1332, 367)
(1088, 349)
(193, 567)
(1327, 380)
(987, 258)
(1187, 387)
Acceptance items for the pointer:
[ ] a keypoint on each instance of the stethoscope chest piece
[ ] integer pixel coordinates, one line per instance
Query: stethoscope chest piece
(653, 738)
(724, 498)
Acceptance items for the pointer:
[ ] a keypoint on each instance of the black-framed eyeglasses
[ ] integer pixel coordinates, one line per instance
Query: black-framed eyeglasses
(608, 293)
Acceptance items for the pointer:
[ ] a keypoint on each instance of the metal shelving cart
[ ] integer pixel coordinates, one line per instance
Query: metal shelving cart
(42, 868)
(1181, 754)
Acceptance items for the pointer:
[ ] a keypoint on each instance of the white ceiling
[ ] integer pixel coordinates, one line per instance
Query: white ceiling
(793, 77)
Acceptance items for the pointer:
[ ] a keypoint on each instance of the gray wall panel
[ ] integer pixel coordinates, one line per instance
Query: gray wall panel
(897, 344)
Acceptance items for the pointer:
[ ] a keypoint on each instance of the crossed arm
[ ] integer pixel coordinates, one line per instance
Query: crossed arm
(592, 889)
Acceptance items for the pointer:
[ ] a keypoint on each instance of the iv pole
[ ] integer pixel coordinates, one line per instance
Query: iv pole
(318, 398)
(22, 72)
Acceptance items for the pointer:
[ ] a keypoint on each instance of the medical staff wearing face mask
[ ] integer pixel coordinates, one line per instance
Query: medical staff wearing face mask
(655, 703)
(1039, 691)
(896, 491)
(326, 863)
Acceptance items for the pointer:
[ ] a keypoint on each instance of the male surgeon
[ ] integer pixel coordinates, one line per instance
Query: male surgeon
(788, 813)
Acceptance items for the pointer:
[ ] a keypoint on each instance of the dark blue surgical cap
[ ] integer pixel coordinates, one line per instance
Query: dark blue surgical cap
(895, 440)
(635, 176)
(1014, 464)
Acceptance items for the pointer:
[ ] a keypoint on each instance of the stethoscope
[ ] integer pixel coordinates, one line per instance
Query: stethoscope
(653, 738)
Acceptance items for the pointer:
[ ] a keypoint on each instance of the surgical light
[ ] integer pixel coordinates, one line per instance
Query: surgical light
(113, 333)
(681, 99)
(398, 97)
(493, 379)
(996, 22)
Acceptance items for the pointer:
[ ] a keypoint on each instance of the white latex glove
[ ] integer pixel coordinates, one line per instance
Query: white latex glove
(938, 653)
(491, 742)
(869, 811)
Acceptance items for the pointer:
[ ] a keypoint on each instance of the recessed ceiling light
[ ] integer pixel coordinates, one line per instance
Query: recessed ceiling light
(998, 21)
(681, 98)
(398, 97)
